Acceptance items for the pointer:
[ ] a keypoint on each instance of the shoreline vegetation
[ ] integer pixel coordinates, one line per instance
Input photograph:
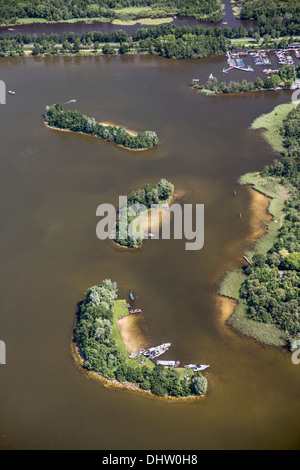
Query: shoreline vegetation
(169, 40)
(275, 18)
(105, 10)
(99, 348)
(264, 295)
(73, 121)
(283, 79)
(133, 223)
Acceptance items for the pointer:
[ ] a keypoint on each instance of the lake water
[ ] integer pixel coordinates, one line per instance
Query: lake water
(51, 185)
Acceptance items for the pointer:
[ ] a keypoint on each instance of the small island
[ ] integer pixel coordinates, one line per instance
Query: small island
(74, 121)
(133, 217)
(102, 351)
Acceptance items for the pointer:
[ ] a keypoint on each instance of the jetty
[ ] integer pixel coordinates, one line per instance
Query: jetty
(236, 62)
(260, 58)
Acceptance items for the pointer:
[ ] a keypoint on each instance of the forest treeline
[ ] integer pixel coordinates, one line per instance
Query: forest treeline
(102, 354)
(168, 42)
(274, 17)
(272, 287)
(55, 10)
(75, 121)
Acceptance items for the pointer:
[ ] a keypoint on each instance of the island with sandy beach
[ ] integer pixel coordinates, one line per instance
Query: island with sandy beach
(107, 346)
(74, 121)
(140, 216)
(261, 300)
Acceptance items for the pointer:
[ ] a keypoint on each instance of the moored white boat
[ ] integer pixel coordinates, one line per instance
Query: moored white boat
(156, 351)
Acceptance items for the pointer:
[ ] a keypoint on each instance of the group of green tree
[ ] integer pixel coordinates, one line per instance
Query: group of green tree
(101, 353)
(168, 40)
(75, 121)
(272, 287)
(137, 202)
(55, 10)
(284, 77)
(169, 45)
(276, 17)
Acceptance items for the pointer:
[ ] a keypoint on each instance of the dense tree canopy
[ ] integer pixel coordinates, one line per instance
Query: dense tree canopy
(55, 10)
(77, 122)
(274, 17)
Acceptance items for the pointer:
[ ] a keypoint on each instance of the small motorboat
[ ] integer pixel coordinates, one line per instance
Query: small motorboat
(196, 367)
(135, 310)
(11, 92)
(131, 296)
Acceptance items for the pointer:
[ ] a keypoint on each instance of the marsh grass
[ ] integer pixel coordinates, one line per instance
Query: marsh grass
(231, 283)
(264, 333)
(271, 124)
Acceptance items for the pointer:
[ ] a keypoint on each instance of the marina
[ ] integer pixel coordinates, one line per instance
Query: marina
(234, 61)
(284, 57)
(260, 58)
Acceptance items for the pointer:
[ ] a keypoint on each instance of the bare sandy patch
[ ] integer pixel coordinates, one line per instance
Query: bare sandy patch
(259, 216)
(132, 336)
(130, 131)
(225, 306)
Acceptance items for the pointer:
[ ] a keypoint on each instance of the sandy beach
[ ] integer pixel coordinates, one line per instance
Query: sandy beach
(133, 338)
(259, 218)
(130, 131)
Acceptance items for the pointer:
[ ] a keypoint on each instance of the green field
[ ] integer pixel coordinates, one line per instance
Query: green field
(144, 21)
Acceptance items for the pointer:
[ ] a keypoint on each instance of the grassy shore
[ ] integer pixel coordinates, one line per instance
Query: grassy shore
(230, 286)
(271, 124)
(85, 19)
(277, 193)
(143, 21)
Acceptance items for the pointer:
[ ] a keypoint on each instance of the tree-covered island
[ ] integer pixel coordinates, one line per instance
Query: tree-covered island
(103, 352)
(128, 233)
(72, 120)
